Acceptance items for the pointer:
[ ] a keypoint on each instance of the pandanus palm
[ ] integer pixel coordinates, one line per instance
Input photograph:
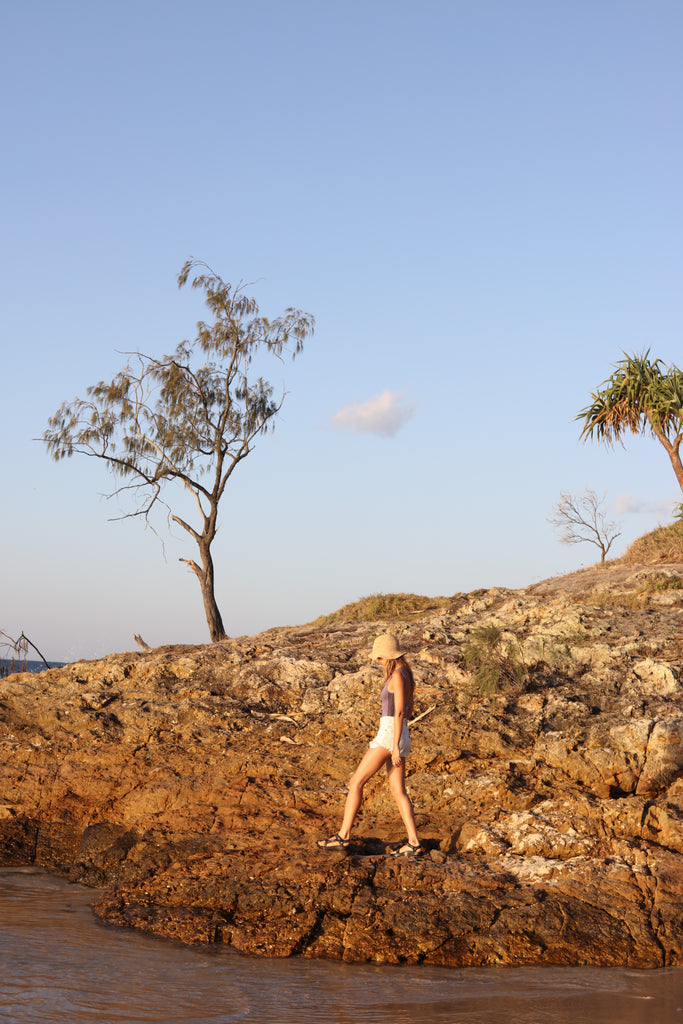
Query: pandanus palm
(642, 396)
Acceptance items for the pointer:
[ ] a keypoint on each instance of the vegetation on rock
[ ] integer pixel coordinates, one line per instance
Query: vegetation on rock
(383, 606)
(664, 544)
(495, 662)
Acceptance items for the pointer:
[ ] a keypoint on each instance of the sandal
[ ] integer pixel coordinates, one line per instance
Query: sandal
(414, 850)
(333, 843)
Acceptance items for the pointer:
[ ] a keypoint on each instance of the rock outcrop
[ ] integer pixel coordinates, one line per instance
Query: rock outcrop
(189, 784)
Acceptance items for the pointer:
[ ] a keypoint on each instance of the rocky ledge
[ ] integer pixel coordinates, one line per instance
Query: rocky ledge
(189, 784)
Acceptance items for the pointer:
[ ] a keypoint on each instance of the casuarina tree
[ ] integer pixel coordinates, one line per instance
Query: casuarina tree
(187, 419)
(642, 396)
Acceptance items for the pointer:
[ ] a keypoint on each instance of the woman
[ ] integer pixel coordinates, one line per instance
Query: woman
(390, 746)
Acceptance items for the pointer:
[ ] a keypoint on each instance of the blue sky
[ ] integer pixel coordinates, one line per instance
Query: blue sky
(479, 202)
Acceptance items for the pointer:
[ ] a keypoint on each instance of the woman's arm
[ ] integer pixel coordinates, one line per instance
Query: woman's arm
(397, 687)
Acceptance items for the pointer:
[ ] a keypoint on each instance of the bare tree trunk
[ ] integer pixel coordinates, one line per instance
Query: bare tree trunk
(673, 449)
(675, 456)
(213, 615)
(206, 582)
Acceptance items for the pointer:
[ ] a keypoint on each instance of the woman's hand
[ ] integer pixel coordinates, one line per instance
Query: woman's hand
(395, 757)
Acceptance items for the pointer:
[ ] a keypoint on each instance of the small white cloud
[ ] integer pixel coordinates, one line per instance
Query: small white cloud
(627, 504)
(384, 415)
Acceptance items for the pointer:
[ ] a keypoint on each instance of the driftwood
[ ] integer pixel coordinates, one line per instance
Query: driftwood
(423, 715)
(273, 714)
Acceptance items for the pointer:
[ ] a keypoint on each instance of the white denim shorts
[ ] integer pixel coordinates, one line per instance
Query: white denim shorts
(385, 736)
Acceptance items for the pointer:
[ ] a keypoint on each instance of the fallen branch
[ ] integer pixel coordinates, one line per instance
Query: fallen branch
(423, 715)
(272, 714)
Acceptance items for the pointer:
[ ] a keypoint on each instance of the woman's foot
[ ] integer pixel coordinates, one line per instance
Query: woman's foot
(333, 843)
(409, 850)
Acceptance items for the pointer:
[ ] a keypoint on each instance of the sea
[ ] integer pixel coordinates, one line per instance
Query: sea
(8, 665)
(59, 964)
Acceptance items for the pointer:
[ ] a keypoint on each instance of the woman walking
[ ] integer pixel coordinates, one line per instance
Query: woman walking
(390, 747)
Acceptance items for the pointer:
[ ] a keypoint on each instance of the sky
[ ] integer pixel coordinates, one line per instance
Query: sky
(479, 201)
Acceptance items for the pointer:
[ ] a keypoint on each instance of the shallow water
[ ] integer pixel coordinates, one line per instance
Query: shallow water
(60, 964)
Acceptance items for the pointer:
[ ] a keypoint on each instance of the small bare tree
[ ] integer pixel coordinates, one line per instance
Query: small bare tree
(581, 520)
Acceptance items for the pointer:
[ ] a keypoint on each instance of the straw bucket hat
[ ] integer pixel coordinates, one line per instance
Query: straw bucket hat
(386, 646)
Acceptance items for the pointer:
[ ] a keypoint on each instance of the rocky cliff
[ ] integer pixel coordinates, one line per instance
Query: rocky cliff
(189, 784)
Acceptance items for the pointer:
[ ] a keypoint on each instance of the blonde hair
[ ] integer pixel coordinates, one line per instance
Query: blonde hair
(390, 666)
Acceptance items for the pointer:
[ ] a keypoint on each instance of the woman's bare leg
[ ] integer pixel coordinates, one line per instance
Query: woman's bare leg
(372, 761)
(397, 784)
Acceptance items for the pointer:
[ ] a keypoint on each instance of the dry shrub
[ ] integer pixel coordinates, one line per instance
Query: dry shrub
(494, 664)
(13, 666)
(383, 606)
(631, 601)
(667, 583)
(665, 544)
